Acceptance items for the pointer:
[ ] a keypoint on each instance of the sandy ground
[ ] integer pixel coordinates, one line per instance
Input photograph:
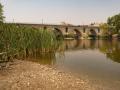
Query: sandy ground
(24, 75)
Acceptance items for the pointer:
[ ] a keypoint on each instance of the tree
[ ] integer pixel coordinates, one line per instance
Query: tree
(1, 13)
(114, 23)
(105, 28)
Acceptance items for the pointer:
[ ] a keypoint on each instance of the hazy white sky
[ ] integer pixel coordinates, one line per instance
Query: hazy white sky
(56, 11)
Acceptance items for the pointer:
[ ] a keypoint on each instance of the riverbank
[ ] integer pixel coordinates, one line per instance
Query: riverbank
(24, 75)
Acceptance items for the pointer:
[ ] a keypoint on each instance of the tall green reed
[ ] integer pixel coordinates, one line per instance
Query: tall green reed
(19, 40)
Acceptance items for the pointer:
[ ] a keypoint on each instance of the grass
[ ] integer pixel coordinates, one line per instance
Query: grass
(20, 41)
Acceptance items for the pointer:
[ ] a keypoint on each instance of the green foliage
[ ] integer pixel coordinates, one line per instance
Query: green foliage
(105, 30)
(1, 13)
(114, 23)
(16, 39)
(104, 27)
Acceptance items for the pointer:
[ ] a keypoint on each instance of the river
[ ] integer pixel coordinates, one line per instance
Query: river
(96, 60)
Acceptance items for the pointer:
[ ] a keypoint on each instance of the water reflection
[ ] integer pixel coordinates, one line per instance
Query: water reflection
(97, 59)
(81, 44)
(111, 49)
(43, 58)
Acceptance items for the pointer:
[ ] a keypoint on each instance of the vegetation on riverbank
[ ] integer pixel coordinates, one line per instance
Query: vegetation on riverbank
(1, 13)
(112, 27)
(19, 40)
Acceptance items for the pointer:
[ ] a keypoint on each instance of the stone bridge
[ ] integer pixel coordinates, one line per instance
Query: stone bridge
(70, 31)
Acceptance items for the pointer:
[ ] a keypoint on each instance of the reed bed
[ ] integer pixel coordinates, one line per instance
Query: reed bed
(21, 41)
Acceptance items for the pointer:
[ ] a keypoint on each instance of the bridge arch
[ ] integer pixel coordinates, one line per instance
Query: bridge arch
(78, 34)
(92, 33)
(44, 28)
(66, 29)
(58, 33)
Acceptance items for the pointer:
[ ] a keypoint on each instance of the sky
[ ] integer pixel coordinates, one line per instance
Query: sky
(77, 12)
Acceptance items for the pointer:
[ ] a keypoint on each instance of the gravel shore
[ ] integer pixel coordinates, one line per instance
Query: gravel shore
(24, 75)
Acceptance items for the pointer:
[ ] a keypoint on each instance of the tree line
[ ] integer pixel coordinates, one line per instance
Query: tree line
(112, 27)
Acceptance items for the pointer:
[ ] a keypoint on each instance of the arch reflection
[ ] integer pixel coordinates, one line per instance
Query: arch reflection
(111, 48)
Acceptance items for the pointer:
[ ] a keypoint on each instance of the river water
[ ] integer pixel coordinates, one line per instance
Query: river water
(96, 60)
